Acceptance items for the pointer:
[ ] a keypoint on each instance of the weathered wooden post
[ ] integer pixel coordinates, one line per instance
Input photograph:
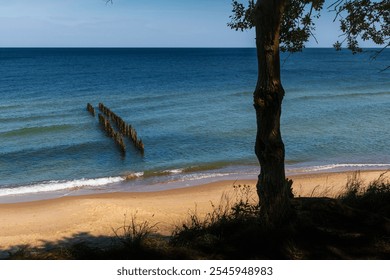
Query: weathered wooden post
(90, 109)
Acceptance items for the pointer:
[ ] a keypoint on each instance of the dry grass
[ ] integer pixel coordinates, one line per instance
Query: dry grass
(134, 233)
(373, 197)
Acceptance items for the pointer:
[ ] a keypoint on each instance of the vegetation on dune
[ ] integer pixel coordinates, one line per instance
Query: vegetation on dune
(356, 225)
(375, 197)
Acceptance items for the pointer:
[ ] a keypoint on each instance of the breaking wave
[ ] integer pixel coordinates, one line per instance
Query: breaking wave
(50, 186)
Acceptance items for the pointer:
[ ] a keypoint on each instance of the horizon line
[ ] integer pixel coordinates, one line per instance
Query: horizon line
(116, 47)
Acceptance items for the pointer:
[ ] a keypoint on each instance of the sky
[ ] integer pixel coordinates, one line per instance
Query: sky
(130, 23)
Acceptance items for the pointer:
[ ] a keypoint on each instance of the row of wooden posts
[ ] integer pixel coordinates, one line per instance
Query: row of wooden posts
(112, 133)
(125, 129)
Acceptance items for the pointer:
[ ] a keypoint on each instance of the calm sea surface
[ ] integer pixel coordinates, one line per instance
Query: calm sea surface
(191, 107)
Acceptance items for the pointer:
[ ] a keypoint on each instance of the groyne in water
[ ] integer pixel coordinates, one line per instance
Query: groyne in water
(122, 130)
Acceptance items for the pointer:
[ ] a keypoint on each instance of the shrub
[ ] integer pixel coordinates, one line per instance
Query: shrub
(227, 231)
(375, 197)
(132, 235)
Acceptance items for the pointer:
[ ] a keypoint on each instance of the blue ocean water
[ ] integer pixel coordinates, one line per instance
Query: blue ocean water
(191, 107)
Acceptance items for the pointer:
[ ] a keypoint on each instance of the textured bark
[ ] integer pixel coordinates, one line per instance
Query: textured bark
(272, 188)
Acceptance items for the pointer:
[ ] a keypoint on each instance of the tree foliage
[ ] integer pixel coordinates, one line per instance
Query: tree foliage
(360, 20)
(363, 19)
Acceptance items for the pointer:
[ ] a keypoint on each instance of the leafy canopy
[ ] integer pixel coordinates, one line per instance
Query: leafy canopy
(359, 20)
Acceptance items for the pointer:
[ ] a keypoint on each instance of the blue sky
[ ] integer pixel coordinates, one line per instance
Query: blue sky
(129, 23)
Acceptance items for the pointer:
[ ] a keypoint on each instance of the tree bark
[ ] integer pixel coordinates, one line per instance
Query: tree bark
(272, 188)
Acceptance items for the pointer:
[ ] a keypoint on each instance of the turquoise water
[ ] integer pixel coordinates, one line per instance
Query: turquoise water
(191, 107)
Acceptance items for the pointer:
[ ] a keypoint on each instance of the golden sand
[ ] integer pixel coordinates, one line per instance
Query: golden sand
(51, 220)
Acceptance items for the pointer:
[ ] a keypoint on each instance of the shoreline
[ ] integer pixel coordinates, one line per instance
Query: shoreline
(76, 217)
(161, 180)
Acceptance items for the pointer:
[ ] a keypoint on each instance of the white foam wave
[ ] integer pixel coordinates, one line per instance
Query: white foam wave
(174, 171)
(200, 176)
(134, 175)
(59, 185)
(342, 166)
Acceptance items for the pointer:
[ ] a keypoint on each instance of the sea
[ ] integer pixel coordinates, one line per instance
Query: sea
(193, 110)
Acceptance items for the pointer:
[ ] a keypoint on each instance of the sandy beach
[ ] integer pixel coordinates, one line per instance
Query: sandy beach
(37, 222)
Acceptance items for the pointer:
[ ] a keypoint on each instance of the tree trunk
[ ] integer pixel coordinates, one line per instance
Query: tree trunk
(272, 187)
